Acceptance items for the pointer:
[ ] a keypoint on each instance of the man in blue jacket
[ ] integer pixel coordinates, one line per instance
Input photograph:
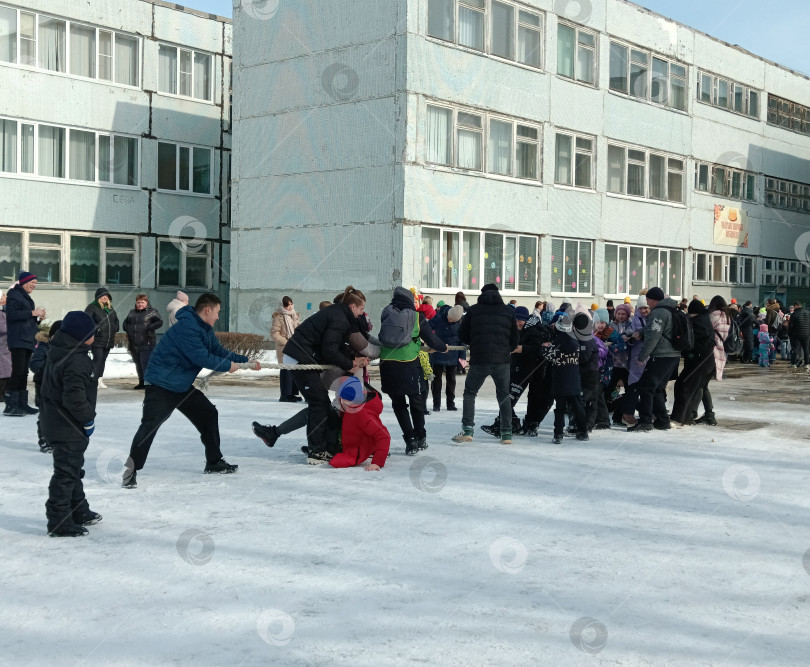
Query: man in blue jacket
(185, 349)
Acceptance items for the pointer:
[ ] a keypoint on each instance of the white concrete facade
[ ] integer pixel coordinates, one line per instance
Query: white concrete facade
(126, 106)
(348, 171)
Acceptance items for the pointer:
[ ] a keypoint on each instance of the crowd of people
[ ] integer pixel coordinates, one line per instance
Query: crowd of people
(597, 368)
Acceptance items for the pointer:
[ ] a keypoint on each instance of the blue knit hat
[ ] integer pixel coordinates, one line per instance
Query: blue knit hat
(521, 313)
(25, 277)
(78, 325)
(352, 391)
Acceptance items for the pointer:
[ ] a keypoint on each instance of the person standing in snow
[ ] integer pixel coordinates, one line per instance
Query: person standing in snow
(37, 367)
(106, 319)
(140, 326)
(185, 349)
(22, 319)
(445, 325)
(5, 355)
(178, 302)
(285, 322)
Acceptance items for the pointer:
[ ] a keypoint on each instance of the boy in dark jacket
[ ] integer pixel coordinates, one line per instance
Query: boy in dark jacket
(446, 325)
(68, 414)
(37, 366)
(565, 379)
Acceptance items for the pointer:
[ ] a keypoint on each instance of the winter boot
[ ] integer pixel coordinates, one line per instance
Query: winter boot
(516, 426)
(411, 446)
(494, 428)
(13, 408)
(421, 443)
(583, 436)
(267, 434)
(466, 435)
(86, 518)
(558, 438)
(130, 479)
(68, 530)
(530, 429)
(22, 404)
(45, 447)
(222, 467)
(707, 419)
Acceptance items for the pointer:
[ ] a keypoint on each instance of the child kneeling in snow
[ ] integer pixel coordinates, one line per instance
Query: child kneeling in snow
(362, 433)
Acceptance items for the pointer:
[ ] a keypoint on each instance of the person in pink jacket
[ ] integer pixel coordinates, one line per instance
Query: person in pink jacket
(362, 433)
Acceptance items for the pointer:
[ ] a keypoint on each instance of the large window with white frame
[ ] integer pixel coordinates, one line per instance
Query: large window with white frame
(482, 141)
(571, 266)
(785, 272)
(709, 267)
(455, 259)
(647, 76)
(789, 195)
(183, 168)
(499, 28)
(185, 72)
(50, 151)
(69, 258)
(68, 47)
(725, 181)
(641, 172)
(727, 94)
(629, 269)
(184, 264)
(574, 162)
(576, 53)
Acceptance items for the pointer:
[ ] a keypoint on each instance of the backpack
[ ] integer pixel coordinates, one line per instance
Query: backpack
(733, 343)
(398, 328)
(779, 320)
(683, 337)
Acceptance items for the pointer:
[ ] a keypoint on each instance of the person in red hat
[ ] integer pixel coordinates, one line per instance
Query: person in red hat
(23, 318)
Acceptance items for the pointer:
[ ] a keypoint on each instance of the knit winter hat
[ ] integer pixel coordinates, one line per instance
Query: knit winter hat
(623, 307)
(103, 291)
(763, 328)
(594, 306)
(489, 287)
(78, 325)
(583, 327)
(695, 307)
(601, 315)
(352, 391)
(642, 302)
(628, 300)
(440, 304)
(522, 313)
(734, 301)
(455, 313)
(54, 328)
(562, 322)
(656, 293)
(25, 277)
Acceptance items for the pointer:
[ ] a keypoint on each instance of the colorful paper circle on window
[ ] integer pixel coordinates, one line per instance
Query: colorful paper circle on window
(521, 258)
(492, 265)
(427, 260)
(469, 267)
(529, 260)
(450, 264)
(486, 255)
(497, 279)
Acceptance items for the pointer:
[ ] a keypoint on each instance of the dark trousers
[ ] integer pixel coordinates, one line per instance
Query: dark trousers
(800, 346)
(19, 369)
(540, 398)
(436, 386)
(3, 387)
(317, 398)
(286, 385)
(158, 405)
(476, 374)
(689, 387)
(747, 349)
(100, 355)
(410, 413)
(301, 418)
(142, 361)
(652, 389)
(619, 375)
(565, 405)
(591, 388)
(66, 491)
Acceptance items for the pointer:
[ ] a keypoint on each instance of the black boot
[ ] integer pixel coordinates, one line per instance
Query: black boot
(516, 425)
(411, 446)
(13, 406)
(22, 404)
(529, 429)
(494, 428)
(421, 443)
(707, 419)
(268, 434)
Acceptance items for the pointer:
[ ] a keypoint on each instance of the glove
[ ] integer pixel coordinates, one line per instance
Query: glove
(89, 427)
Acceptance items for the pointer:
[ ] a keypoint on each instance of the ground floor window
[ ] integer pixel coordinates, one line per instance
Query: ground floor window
(571, 266)
(183, 264)
(454, 259)
(629, 269)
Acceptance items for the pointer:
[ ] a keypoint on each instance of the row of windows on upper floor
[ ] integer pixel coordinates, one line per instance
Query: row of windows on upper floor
(57, 45)
(38, 150)
(508, 31)
(506, 147)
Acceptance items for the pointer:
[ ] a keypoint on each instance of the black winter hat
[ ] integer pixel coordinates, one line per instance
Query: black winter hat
(78, 325)
(583, 327)
(656, 293)
(696, 307)
(54, 328)
(489, 287)
(103, 291)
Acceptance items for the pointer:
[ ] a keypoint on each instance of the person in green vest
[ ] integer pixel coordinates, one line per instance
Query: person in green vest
(402, 331)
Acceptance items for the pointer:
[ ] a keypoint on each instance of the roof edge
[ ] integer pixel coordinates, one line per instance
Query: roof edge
(189, 10)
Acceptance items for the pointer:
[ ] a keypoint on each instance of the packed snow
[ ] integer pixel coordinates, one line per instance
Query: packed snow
(683, 547)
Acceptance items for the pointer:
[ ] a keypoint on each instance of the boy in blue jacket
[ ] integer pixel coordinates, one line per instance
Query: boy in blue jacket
(185, 349)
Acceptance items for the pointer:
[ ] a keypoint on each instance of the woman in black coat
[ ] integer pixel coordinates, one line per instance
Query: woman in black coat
(445, 325)
(698, 363)
(140, 326)
(107, 326)
(22, 318)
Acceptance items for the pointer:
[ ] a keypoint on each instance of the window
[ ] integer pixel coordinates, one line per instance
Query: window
(576, 53)
(788, 115)
(438, 141)
(10, 256)
(513, 33)
(715, 268)
(727, 94)
(527, 151)
(629, 269)
(571, 266)
(85, 260)
(628, 169)
(501, 134)
(184, 72)
(457, 260)
(119, 261)
(470, 139)
(574, 160)
(787, 194)
(725, 181)
(181, 265)
(647, 76)
(36, 40)
(77, 155)
(45, 257)
(184, 168)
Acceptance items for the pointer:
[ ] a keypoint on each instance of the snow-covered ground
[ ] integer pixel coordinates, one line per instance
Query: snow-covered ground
(685, 547)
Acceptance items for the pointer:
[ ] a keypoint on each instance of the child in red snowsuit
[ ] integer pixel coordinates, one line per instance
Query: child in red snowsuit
(362, 433)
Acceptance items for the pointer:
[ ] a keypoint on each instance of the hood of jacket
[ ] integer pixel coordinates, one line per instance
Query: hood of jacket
(491, 297)
(402, 299)
(188, 313)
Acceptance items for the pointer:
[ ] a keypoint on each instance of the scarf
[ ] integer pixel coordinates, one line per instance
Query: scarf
(288, 320)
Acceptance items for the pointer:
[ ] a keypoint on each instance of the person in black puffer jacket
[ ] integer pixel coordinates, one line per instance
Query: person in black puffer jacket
(22, 318)
(799, 332)
(698, 366)
(563, 354)
(140, 326)
(68, 414)
(323, 338)
(106, 319)
(490, 329)
(746, 322)
(446, 325)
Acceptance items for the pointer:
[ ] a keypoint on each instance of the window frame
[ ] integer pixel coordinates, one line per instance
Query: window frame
(787, 195)
(191, 148)
(648, 76)
(576, 55)
(184, 254)
(711, 169)
(628, 161)
(580, 244)
(575, 137)
(644, 251)
(744, 264)
(713, 94)
(96, 182)
(194, 53)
